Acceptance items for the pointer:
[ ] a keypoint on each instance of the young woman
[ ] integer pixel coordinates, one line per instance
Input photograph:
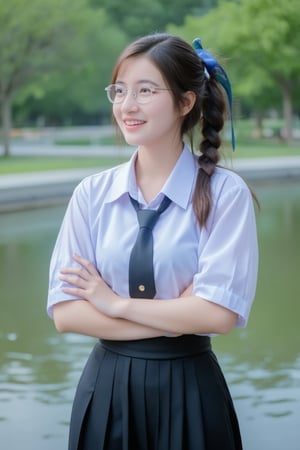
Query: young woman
(152, 381)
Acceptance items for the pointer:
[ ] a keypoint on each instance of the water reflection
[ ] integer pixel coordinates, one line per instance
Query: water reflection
(39, 369)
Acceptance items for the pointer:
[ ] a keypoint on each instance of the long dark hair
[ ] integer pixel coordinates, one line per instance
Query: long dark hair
(183, 71)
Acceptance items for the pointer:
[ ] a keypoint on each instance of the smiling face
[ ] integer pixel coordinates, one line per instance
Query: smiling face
(156, 123)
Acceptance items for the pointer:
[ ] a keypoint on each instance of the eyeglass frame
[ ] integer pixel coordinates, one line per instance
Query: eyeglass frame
(133, 92)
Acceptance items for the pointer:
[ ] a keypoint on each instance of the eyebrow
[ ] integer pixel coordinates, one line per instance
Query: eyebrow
(139, 82)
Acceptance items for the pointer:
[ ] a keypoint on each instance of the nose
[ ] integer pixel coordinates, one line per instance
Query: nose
(130, 101)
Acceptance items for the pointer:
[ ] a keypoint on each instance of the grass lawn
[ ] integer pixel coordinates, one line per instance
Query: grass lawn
(19, 164)
(265, 149)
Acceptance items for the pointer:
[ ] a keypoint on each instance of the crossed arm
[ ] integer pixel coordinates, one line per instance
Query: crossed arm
(103, 314)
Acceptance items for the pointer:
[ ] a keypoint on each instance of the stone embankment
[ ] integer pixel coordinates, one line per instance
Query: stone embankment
(28, 190)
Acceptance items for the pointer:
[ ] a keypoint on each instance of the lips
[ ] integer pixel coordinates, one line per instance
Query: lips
(133, 122)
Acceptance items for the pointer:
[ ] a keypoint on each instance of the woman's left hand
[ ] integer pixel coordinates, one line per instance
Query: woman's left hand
(87, 284)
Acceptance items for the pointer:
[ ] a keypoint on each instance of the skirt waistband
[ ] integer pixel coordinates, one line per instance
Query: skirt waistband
(161, 347)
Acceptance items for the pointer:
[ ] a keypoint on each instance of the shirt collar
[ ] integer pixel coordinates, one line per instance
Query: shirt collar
(123, 180)
(178, 187)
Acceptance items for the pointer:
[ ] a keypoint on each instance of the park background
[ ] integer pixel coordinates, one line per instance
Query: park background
(56, 57)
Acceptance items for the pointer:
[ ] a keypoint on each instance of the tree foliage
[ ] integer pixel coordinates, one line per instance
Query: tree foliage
(77, 92)
(262, 40)
(31, 37)
(140, 17)
(56, 56)
(57, 45)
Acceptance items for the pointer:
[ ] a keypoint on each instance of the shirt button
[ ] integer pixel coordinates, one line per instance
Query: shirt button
(141, 288)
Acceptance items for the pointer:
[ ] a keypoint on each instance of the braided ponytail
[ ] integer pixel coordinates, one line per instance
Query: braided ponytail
(212, 122)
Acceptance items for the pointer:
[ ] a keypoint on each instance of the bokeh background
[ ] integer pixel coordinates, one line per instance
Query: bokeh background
(56, 57)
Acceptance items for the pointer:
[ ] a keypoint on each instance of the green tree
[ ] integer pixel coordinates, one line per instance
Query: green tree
(76, 94)
(140, 17)
(56, 55)
(262, 39)
(36, 38)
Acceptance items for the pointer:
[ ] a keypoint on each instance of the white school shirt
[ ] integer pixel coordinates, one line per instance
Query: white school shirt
(220, 259)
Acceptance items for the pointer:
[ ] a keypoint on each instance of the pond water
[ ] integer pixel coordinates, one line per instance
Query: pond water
(39, 368)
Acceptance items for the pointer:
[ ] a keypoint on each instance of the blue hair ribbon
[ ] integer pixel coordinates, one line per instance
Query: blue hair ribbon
(216, 71)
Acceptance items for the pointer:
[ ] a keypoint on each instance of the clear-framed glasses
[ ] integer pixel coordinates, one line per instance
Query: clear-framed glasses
(116, 93)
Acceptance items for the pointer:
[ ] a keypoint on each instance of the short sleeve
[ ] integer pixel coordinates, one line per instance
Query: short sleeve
(228, 257)
(74, 237)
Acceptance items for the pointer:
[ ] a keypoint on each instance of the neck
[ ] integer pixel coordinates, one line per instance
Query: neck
(153, 167)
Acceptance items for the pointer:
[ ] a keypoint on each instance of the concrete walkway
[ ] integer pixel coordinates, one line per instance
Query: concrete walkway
(27, 190)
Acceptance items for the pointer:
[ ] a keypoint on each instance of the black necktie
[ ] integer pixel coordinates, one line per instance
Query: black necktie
(141, 273)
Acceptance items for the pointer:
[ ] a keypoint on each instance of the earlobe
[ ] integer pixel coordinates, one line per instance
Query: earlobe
(189, 99)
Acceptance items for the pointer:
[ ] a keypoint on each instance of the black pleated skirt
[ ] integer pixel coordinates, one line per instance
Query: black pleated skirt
(153, 394)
